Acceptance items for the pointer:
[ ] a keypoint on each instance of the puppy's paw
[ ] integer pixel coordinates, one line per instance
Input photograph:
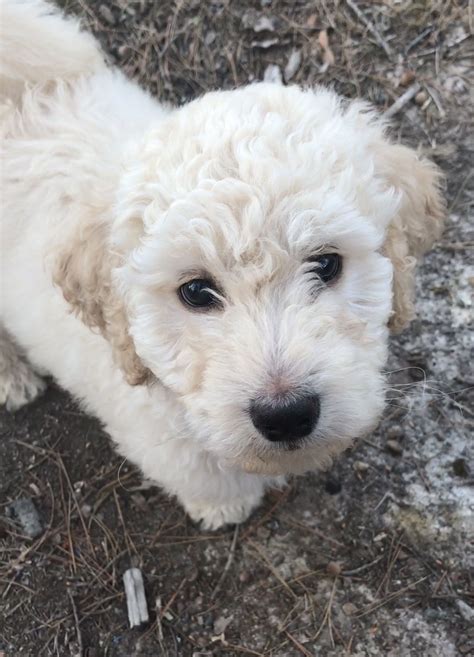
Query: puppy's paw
(19, 385)
(214, 516)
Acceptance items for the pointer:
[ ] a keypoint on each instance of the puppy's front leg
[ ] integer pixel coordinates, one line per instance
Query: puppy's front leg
(19, 384)
(216, 497)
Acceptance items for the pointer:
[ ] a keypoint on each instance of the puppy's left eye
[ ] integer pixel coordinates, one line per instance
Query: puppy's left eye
(327, 266)
(198, 294)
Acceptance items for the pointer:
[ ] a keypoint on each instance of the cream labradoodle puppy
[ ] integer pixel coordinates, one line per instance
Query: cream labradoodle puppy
(215, 282)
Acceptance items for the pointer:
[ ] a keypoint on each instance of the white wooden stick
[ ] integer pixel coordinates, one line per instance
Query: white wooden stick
(135, 594)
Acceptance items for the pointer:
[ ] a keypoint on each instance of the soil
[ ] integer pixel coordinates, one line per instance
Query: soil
(374, 558)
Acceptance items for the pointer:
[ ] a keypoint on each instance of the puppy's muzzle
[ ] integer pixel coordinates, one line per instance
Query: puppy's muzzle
(286, 420)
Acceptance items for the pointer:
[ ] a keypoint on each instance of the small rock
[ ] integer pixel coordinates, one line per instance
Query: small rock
(106, 14)
(78, 486)
(421, 97)
(86, 510)
(465, 610)
(266, 43)
(394, 447)
(35, 489)
(265, 23)
(25, 512)
(210, 38)
(221, 624)
(408, 76)
(208, 620)
(273, 74)
(334, 568)
(140, 502)
(244, 576)
(333, 486)
(294, 62)
(349, 609)
(394, 432)
(360, 466)
(461, 468)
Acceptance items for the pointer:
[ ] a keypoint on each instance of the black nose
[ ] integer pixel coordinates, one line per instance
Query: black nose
(286, 420)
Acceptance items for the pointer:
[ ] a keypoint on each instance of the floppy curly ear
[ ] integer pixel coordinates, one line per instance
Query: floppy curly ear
(84, 274)
(417, 225)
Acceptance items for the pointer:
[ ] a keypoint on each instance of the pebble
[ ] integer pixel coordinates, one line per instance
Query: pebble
(408, 76)
(360, 466)
(334, 568)
(265, 24)
(421, 97)
(294, 62)
(25, 512)
(394, 447)
(395, 431)
(273, 74)
(210, 38)
(465, 610)
(106, 14)
(349, 608)
(244, 576)
(333, 486)
(221, 624)
(461, 468)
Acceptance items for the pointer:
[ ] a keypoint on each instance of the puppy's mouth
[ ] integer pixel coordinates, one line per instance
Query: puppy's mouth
(294, 458)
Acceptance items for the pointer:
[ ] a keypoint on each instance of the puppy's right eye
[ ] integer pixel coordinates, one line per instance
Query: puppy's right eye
(199, 293)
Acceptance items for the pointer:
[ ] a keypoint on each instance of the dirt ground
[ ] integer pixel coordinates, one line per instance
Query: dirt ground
(374, 558)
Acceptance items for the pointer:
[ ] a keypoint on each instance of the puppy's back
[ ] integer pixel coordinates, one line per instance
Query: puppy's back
(37, 44)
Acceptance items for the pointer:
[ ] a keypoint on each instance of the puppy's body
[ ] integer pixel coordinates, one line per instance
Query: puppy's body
(111, 201)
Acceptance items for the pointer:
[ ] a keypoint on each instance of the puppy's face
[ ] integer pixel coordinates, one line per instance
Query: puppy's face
(255, 282)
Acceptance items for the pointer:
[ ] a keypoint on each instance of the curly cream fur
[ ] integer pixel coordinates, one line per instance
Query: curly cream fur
(111, 201)
(83, 271)
(415, 228)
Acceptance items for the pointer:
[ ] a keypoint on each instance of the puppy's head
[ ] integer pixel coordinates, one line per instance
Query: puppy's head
(268, 238)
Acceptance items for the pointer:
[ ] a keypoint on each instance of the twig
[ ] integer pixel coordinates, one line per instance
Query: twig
(327, 614)
(77, 623)
(312, 530)
(402, 100)
(360, 569)
(456, 246)
(371, 27)
(230, 558)
(173, 598)
(376, 605)
(298, 645)
(271, 567)
(460, 190)
(419, 39)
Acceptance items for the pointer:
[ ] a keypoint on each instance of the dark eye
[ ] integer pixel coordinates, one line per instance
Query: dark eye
(327, 266)
(198, 293)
